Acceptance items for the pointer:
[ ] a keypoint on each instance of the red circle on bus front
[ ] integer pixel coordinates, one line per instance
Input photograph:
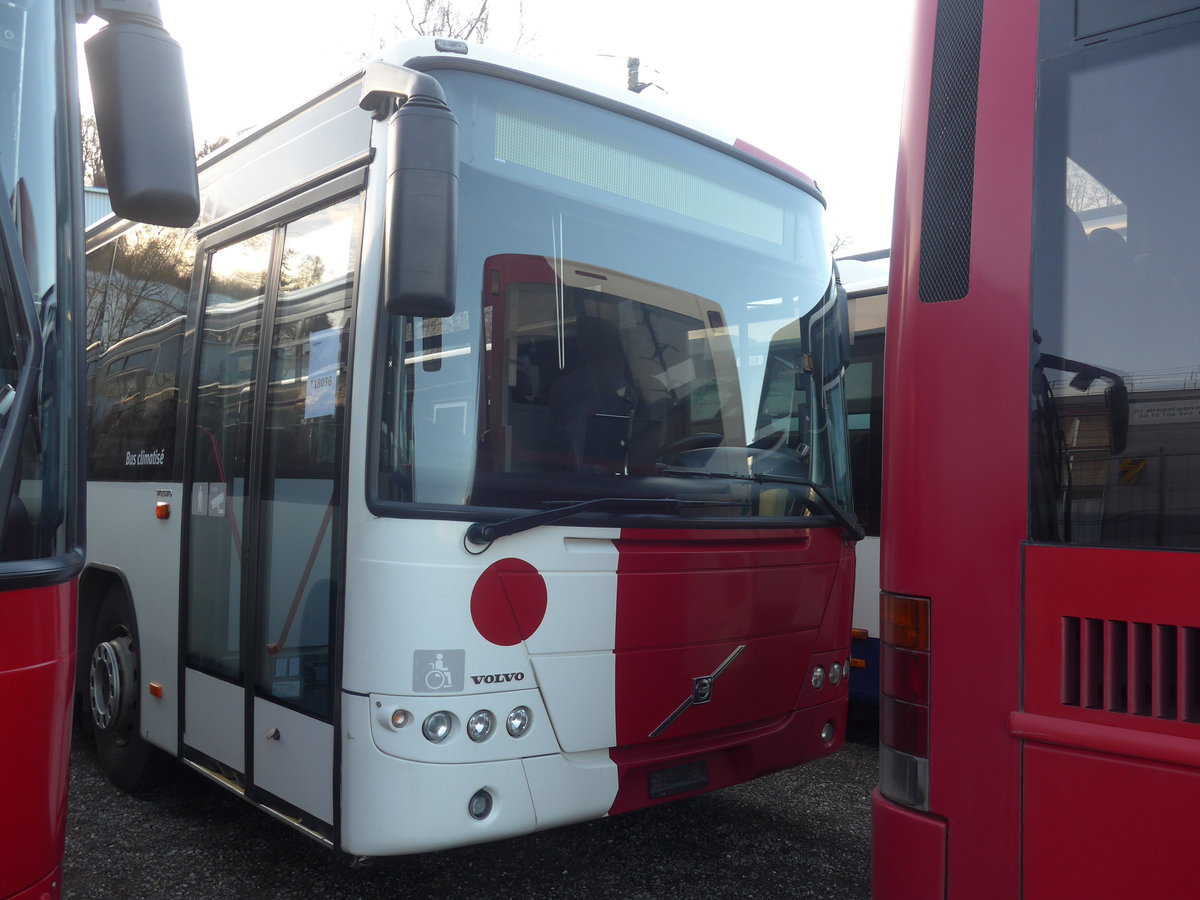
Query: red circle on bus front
(508, 602)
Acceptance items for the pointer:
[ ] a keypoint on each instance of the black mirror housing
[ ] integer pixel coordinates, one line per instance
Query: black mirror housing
(144, 122)
(422, 210)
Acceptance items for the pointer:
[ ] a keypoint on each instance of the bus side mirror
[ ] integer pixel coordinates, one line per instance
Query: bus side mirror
(421, 226)
(144, 123)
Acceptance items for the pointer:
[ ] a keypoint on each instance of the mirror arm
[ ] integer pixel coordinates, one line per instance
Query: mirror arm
(386, 86)
(144, 12)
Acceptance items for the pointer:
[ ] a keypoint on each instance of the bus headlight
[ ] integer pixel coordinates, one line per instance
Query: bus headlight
(818, 677)
(436, 726)
(835, 673)
(518, 721)
(400, 718)
(480, 725)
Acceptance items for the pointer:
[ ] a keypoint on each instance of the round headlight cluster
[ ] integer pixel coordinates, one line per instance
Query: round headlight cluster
(835, 673)
(818, 677)
(480, 726)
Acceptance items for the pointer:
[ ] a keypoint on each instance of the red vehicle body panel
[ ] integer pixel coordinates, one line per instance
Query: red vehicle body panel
(909, 851)
(1044, 780)
(1103, 779)
(955, 468)
(37, 670)
(686, 601)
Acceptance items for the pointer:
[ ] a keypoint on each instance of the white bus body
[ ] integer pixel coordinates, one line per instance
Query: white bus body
(305, 504)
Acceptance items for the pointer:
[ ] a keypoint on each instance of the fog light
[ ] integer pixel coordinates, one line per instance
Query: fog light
(818, 677)
(400, 718)
(827, 733)
(835, 673)
(518, 721)
(436, 727)
(480, 804)
(480, 725)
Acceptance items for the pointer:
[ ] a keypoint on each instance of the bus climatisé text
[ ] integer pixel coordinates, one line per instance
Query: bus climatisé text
(482, 420)
(134, 67)
(1040, 674)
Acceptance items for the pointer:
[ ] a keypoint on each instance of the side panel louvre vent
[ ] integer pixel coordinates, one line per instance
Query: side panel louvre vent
(950, 152)
(1135, 668)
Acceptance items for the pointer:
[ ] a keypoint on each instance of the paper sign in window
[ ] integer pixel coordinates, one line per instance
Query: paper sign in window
(320, 396)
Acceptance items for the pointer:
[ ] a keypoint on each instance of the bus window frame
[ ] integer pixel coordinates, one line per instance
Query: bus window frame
(1047, 273)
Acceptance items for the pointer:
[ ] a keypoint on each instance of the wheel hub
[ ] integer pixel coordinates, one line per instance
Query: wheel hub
(110, 682)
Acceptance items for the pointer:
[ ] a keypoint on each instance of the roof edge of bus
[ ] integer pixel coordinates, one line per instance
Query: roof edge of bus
(429, 52)
(864, 274)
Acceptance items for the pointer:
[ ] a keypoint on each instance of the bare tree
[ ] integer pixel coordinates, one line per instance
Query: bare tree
(841, 240)
(145, 286)
(1085, 191)
(211, 147)
(442, 18)
(93, 161)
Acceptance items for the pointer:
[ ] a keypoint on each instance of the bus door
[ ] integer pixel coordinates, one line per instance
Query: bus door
(263, 559)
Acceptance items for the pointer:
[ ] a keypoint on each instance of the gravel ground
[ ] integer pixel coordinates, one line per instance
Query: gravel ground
(801, 833)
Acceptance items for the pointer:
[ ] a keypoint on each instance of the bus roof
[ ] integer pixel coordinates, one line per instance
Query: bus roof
(864, 273)
(418, 52)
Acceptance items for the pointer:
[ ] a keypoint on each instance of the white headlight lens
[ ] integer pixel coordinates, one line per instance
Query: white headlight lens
(835, 673)
(436, 727)
(818, 677)
(518, 721)
(479, 727)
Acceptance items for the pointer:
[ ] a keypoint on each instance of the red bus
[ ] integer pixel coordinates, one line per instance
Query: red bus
(135, 67)
(1040, 720)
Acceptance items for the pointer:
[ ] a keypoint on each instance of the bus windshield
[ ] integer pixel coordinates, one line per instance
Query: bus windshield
(634, 309)
(32, 158)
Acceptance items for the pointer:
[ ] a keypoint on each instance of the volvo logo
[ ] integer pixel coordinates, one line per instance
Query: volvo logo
(702, 688)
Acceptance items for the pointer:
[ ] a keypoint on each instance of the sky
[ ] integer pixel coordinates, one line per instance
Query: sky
(817, 84)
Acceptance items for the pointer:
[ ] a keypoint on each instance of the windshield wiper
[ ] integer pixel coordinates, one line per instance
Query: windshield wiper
(853, 529)
(486, 532)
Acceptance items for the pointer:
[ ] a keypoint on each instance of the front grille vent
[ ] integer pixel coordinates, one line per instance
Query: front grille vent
(1136, 668)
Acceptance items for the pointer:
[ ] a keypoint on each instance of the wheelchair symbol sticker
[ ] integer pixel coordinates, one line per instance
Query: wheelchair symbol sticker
(438, 671)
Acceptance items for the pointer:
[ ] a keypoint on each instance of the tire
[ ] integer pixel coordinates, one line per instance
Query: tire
(113, 695)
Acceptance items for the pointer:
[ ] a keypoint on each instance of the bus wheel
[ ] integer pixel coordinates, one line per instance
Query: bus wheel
(128, 760)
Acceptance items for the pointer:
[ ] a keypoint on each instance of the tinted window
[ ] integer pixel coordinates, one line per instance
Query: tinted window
(137, 291)
(1116, 361)
(864, 403)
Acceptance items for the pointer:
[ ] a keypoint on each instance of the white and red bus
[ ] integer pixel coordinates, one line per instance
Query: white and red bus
(1040, 724)
(864, 278)
(480, 460)
(133, 64)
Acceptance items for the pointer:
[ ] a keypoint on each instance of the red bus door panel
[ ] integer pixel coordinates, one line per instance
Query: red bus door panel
(1107, 826)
